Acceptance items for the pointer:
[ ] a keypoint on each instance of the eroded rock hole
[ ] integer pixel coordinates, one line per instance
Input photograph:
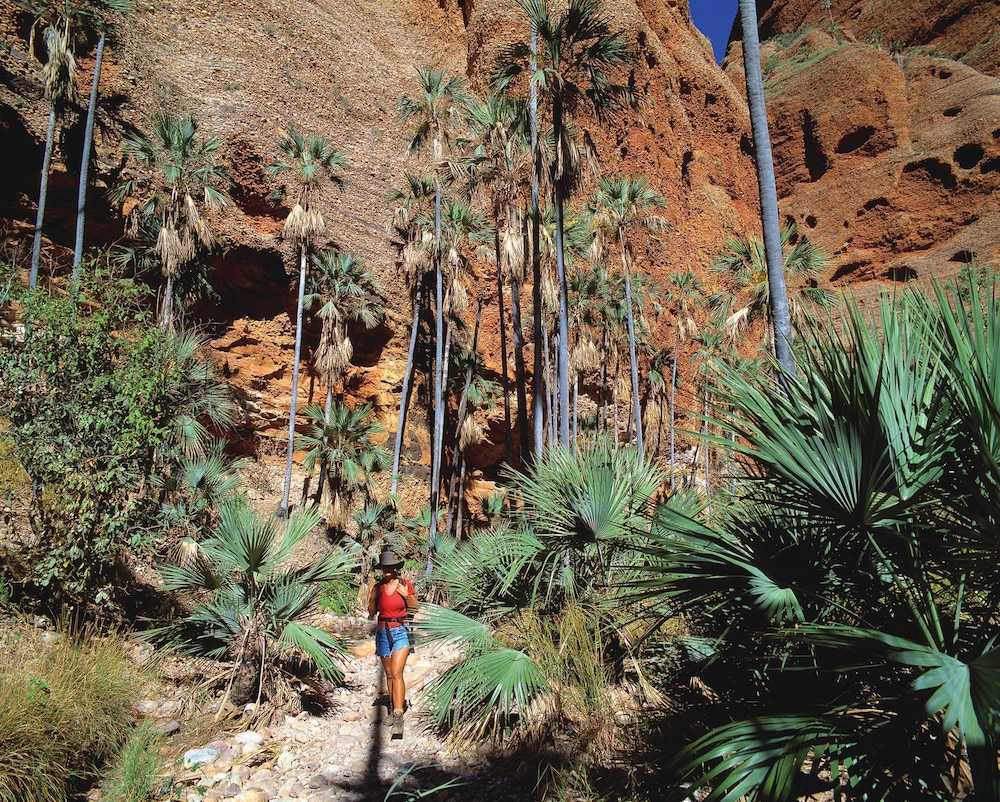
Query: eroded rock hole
(874, 203)
(686, 163)
(816, 160)
(969, 155)
(901, 273)
(810, 221)
(938, 171)
(853, 140)
(964, 256)
(952, 111)
(990, 165)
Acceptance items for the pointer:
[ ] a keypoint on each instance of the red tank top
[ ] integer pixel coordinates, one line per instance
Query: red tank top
(391, 605)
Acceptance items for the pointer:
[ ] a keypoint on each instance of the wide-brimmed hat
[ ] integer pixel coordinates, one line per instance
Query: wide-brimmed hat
(388, 559)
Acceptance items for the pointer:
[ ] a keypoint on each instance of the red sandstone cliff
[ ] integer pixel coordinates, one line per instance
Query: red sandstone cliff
(887, 156)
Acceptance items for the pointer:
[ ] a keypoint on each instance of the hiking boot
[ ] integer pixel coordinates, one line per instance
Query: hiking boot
(397, 724)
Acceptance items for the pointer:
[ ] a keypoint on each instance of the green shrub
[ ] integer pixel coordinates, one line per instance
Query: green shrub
(338, 596)
(65, 707)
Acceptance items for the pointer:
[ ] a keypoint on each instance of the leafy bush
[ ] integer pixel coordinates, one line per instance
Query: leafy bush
(96, 398)
(65, 708)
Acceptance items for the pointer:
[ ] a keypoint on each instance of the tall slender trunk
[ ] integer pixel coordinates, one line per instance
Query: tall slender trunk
(636, 410)
(614, 401)
(437, 443)
(508, 434)
(550, 390)
(780, 313)
(43, 191)
(463, 405)
(673, 389)
(88, 143)
(326, 441)
(604, 379)
(576, 408)
(708, 492)
(167, 315)
(404, 396)
(562, 361)
(536, 264)
(295, 382)
(519, 372)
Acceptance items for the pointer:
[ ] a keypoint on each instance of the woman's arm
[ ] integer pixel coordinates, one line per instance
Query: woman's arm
(411, 599)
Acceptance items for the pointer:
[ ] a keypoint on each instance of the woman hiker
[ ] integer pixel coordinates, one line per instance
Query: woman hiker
(392, 598)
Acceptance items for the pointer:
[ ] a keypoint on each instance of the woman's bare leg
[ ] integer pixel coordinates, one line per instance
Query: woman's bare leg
(394, 665)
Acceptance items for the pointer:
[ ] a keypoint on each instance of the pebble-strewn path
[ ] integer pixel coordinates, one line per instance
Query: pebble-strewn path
(347, 754)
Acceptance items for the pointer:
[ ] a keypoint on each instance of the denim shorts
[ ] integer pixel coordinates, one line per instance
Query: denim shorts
(386, 645)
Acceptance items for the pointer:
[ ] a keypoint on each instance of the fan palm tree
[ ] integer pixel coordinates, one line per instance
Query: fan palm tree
(175, 181)
(253, 603)
(780, 317)
(346, 292)
(743, 261)
(855, 584)
(561, 552)
(618, 205)
(571, 63)
(431, 113)
(685, 293)
(344, 441)
(500, 162)
(413, 240)
(312, 161)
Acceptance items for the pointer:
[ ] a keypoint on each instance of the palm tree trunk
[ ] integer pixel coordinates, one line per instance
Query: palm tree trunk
(404, 396)
(295, 382)
(550, 390)
(536, 263)
(673, 394)
(43, 191)
(780, 314)
(326, 441)
(88, 142)
(563, 339)
(439, 370)
(708, 492)
(636, 411)
(508, 434)
(167, 315)
(519, 372)
(463, 405)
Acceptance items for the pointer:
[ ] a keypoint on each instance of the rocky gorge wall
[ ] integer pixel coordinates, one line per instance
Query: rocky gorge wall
(886, 155)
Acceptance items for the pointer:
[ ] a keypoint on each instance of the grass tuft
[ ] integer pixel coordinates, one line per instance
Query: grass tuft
(65, 707)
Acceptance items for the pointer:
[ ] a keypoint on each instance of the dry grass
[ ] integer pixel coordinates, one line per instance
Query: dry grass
(65, 707)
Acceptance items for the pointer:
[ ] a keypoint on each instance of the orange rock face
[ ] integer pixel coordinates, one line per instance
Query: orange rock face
(887, 153)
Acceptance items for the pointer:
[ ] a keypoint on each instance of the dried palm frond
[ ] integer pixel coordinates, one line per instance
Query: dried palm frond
(470, 434)
(334, 351)
(512, 261)
(169, 249)
(457, 299)
(303, 224)
(59, 72)
(550, 291)
(337, 511)
(585, 356)
(736, 322)
(687, 328)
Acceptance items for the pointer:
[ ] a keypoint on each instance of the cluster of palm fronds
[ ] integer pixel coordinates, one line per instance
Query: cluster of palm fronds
(840, 615)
